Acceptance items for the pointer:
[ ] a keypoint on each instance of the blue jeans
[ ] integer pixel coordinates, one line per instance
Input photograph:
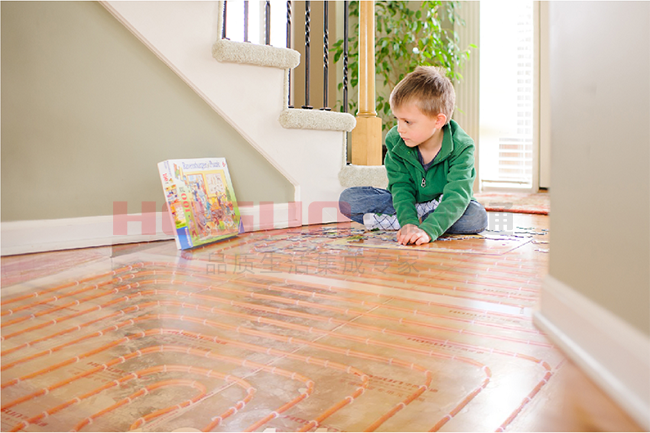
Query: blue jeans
(358, 200)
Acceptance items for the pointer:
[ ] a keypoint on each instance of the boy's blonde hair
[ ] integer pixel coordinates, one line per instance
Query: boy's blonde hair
(429, 89)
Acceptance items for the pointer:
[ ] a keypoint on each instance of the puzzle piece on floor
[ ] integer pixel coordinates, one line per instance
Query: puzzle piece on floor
(470, 244)
(531, 231)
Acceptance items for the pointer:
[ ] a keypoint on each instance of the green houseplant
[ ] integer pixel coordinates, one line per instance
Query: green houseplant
(405, 38)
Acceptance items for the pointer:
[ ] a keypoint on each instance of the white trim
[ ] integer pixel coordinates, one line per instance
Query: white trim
(23, 237)
(614, 354)
(513, 187)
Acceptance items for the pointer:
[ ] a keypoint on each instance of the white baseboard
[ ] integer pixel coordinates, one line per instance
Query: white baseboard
(615, 355)
(23, 237)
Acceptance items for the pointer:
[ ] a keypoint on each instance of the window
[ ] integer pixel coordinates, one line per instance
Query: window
(256, 22)
(506, 94)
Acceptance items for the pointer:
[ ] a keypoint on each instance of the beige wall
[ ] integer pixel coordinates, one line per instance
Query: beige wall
(88, 112)
(600, 117)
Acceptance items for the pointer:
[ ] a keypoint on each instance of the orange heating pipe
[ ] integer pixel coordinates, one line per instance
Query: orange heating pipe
(202, 274)
(245, 345)
(143, 391)
(167, 348)
(314, 305)
(279, 311)
(343, 311)
(391, 280)
(63, 286)
(244, 281)
(525, 401)
(252, 347)
(402, 278)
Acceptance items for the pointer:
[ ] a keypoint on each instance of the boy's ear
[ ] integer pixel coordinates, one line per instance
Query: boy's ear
(441, 120)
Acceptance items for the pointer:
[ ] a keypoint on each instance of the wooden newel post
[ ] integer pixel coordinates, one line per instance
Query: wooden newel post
(366, 136)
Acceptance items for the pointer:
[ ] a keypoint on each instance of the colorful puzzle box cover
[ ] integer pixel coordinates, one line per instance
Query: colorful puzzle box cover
(200, 199)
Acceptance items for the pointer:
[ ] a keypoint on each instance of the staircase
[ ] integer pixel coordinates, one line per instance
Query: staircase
(247, 85)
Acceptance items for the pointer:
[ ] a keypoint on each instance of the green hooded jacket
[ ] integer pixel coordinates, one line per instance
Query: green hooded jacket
(451, 174)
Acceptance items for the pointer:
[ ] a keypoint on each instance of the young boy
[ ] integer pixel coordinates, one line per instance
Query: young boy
(430, 167)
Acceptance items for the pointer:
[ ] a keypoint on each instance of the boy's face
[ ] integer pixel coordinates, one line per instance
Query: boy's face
(414, 126)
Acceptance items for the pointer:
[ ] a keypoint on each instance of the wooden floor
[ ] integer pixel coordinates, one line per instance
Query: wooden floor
(321, 328)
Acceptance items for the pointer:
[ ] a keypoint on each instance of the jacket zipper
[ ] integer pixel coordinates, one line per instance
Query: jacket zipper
(418, 166)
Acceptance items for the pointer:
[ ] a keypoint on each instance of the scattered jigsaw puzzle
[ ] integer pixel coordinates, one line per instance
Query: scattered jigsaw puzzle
(492, 244)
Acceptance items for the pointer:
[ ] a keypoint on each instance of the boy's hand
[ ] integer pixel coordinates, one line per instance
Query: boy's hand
(412, 234)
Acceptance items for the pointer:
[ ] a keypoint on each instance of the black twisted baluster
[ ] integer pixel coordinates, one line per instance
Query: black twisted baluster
(289, 44)
(345, 55)
(289, 24)
(325, 56)
(307, 49)
(225, 14)
(268, 22)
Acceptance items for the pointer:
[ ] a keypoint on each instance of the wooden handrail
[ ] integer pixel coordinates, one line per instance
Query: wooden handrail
(366, 136)
(367, 59)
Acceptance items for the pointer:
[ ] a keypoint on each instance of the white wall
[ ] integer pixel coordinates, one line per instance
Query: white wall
(596, 299)
(600, 96)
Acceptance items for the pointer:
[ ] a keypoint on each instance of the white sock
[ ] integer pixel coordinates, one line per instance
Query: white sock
(380, 221)
(389, 222)
(426, 207)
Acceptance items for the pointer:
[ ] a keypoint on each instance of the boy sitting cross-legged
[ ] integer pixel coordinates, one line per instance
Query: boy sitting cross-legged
(430, 167)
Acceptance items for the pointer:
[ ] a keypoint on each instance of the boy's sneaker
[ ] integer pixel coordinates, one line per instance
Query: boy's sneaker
(425, 208)
(374, 221)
